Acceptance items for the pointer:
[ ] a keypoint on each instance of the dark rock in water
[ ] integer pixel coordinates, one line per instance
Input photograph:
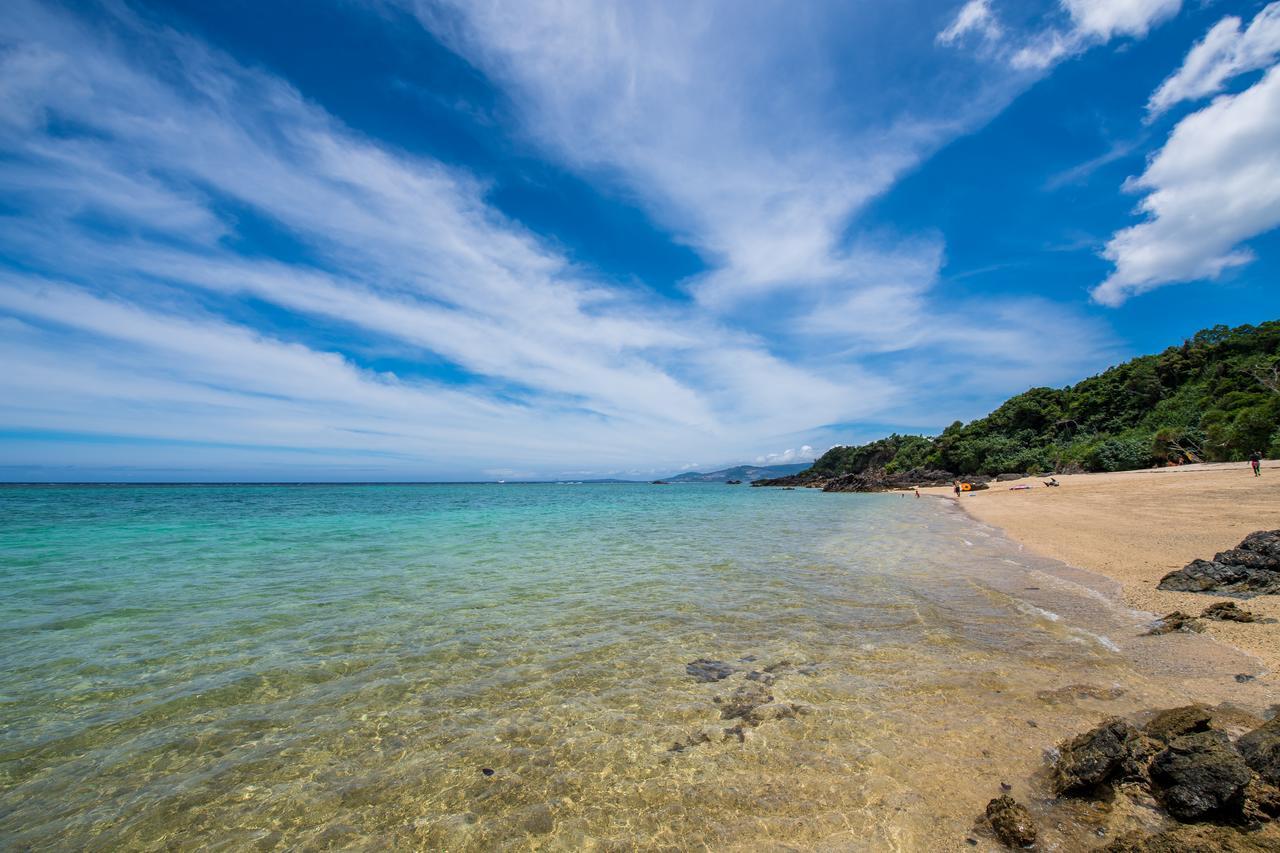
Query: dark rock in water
(1261, 750)
(739, 704)
(706, 670)
(1176, 622)
(1252, 568)
(1098, 755)
(1011, 822)
(1200, 775)
(1245, 678)
(487, 771)
(765, 678)
(1228, 611)
(736, 731)
(1177, 722)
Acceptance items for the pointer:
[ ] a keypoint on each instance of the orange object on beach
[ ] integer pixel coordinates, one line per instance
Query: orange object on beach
(966, 487)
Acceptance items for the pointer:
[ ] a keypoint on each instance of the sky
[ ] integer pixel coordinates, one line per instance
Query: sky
(471, 240)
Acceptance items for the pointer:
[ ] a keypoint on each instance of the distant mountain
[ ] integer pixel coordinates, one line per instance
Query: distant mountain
(745, 473)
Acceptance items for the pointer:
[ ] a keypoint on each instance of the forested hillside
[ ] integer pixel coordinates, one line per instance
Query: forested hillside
(1214, 398)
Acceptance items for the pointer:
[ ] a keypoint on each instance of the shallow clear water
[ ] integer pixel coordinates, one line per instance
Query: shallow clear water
(263, 667)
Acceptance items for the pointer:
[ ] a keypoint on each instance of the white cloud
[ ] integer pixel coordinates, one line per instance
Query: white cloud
(1225, 52)
(1106, 19)
(731, 123)
(413, 258)
(148, 331)
(1088, 23)
(1214, 185)
(974, 17)
(786, 457)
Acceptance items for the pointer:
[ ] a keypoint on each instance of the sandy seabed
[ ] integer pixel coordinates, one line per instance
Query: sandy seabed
(1136, 526)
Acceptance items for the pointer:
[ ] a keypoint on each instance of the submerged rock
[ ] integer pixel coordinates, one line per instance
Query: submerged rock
(740, 704)
(1252, 568)
(696, 739)
(707, 670)
(1176, 622)
(1100, 754)
(1261, 750)
(1079, 691)
(1011, 822)
(1228, 611)
(538, 820)
(1199, 775)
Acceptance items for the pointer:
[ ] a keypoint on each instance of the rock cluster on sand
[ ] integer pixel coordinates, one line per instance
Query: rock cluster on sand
(1251, 568)
(1192, 769)
(1228, 611)
(1176, 622)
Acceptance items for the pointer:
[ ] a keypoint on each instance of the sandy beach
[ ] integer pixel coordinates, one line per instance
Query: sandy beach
(1136, 526)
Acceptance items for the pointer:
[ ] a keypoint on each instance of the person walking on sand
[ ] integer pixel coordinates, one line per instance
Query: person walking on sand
(1255, 461)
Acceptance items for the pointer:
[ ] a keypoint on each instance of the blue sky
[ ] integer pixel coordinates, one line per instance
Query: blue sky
(404, 239)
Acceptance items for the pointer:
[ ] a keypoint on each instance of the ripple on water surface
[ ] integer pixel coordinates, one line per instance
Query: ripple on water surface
(470, 667)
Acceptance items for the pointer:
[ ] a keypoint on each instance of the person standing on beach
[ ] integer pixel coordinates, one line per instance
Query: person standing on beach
(956, 483)
(1256, 462)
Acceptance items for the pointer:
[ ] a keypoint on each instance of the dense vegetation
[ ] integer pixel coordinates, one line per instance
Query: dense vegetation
(1214, 398)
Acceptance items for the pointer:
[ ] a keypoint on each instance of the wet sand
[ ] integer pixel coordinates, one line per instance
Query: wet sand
(1136, 526)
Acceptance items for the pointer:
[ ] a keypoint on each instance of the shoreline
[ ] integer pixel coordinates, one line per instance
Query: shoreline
(1133, 527)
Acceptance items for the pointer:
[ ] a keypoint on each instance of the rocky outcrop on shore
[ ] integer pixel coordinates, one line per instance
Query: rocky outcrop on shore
(1251, 568)
(1222, 793)
(873, 480)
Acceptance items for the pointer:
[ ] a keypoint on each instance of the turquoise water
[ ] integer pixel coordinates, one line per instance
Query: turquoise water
(285, 667)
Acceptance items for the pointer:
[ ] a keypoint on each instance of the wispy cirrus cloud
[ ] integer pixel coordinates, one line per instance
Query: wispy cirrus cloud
(131, 152)
(734, 125)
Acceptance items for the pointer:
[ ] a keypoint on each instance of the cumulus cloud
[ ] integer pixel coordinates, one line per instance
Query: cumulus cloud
(1225, 52)
(1214, 185)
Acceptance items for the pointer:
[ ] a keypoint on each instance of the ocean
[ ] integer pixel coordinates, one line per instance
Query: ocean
(476, 667)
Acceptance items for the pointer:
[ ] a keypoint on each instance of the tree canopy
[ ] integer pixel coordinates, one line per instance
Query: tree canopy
(1214, 398)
